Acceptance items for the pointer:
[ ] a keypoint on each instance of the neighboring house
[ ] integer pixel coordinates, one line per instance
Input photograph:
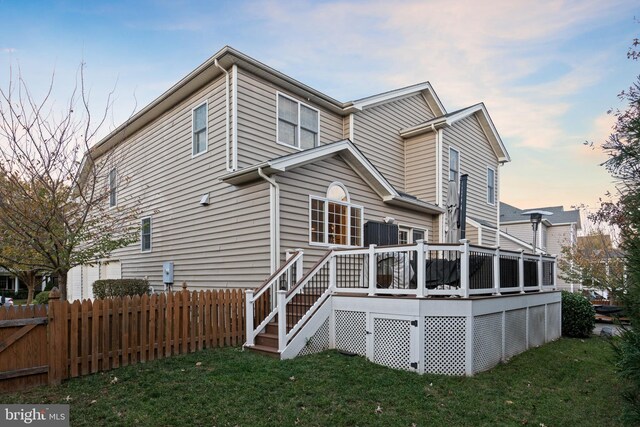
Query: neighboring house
(238, 163)
(555, 231)
(9, 284)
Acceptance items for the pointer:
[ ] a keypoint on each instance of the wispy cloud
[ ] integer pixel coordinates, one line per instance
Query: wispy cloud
(8, 50)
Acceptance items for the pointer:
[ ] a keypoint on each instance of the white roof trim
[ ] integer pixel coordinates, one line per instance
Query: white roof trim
(382, 98)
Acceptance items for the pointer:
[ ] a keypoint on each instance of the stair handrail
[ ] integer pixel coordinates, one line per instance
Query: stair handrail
(253, 295)
(283, 336)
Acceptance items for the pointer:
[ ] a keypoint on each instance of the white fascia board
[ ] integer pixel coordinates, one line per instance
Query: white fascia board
(381, 98)
(413, 204)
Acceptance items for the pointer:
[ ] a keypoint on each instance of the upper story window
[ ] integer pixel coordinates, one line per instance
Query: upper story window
(145, 235)
(491, 186)
(454, 165)
(199, 130)
(298, 124)
(334, 220)
(113, 187)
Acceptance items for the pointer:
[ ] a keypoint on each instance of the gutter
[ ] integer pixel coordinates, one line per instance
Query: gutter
(274, 219)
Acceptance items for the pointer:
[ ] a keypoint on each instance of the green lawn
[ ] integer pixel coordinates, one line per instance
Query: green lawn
(566, 383)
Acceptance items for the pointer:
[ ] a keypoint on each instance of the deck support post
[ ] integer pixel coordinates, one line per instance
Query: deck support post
(299, 265)
(421, 289)
(332, 273)
(372, 270)
(555, 272)
(282, 320)
(464, 267)
(249, 317)
(521, 271)
(496, 272)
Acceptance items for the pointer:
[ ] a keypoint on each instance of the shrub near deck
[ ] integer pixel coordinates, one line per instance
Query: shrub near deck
(562, 383)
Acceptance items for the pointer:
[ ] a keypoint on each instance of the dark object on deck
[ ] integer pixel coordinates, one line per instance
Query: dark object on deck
(380, 233)
(609, 310)
(446, 272)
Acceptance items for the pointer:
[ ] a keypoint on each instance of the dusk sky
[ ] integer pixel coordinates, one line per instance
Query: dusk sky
(547, 71)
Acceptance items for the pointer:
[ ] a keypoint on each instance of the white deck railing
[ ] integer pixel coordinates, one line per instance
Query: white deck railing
(419, 270)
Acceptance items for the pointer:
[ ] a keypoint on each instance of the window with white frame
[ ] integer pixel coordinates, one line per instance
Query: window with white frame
(113, 187)
(491, 186)
(199, 129)
(334, 220)
(454, 165)
(145, 234)
(298, 124)
(408, 235)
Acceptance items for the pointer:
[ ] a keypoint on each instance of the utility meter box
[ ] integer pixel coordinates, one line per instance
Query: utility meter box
(167, 272)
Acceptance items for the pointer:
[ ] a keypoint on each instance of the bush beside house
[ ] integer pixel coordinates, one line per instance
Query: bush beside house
(578, 316)
(120, 287)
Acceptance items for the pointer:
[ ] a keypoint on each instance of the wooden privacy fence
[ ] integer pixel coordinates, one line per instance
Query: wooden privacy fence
(85, 337)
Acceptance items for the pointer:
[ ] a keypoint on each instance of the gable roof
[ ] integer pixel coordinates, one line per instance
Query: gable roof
(351, 155)
(449, 119)
(425, 88)
(226, 58)
(512, 214)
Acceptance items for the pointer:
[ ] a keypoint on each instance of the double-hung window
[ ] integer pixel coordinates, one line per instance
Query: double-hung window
(145, 235)
(334, 220)
(298, 124)
(408, 235)
(491, 186)
(199, 130)
(454, 165)
(113, 187)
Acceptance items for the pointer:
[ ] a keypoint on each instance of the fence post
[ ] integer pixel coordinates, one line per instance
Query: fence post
(249, 317)
(521, 271)
(56, 356)
(282, 320)
(496, 271)
(464, 268)
(420, 267)
(372, 270)
(540, 271)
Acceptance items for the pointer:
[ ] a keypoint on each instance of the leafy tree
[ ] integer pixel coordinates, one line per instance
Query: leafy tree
(623, 164)
(595, 262)
(54, 192)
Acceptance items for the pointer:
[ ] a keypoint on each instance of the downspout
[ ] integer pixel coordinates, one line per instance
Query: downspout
(500, 164)
(234, 104)
(226, 105)
(439, 184)
(274, 221)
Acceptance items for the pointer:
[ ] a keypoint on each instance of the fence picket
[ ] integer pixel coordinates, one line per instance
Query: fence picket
(95, 334)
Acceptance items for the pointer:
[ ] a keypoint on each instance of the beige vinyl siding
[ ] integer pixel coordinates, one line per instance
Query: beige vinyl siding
(257, 121)
(557, 237)
(221, 245)
(296, 186)
(476, 155)
(376, 134)
(522, 231)
(471, 234)
(510, 245)
(488, 237)
(421, 167)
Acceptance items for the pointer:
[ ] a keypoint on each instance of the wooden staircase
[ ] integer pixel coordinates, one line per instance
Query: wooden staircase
(266, 342)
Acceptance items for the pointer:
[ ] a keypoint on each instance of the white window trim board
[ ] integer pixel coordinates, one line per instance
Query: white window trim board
(349, 205)
(489, 168)
(284, 95)
(206, 129)
(145, 251)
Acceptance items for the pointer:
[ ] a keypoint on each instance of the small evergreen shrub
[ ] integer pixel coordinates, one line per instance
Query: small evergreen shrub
(578, 316)
(41, 298)
(120, 287)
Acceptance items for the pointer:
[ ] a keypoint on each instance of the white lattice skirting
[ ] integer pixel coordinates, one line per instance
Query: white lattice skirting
(441, 336)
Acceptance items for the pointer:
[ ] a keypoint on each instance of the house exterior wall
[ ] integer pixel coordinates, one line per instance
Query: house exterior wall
(520, 230)
(559, 236)
(224, 244)
(476, 155)
(421, 167)
(376, 134)
(313, 180)
(257, 121)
